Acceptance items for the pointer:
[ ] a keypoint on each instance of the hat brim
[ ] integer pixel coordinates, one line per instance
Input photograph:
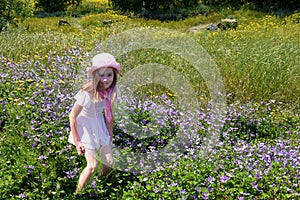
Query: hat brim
(113, 65)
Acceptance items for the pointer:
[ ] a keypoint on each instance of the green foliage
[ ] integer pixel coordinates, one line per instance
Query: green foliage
(162, 10)
(261, 64)
(277, 4)
(259, 4)
(51, 6)
(12, 11)
(87, 8)
(131, 5)
(165, 5)
(175, 14)
(265, 5)
(176, 10)
(257, 158)
(265, 121)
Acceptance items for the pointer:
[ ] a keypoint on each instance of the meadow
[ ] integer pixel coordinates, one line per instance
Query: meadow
(256, 155)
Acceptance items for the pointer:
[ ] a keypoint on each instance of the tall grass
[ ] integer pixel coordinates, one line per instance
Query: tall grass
(259, 60)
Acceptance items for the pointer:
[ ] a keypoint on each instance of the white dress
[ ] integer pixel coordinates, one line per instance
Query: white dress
(90, 124)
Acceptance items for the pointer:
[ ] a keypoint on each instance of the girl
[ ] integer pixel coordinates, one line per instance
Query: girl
(91, 132)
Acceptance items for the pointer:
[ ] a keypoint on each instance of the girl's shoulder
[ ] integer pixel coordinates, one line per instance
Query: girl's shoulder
(83, 93)
(83, 98)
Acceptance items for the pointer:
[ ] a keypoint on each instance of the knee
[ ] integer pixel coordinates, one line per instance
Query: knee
(92, 167)
(104, 170)
(108, 160)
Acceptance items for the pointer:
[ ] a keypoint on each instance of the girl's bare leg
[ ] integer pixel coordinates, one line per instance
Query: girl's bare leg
(107, 159)
(92, 165)
(104, 170)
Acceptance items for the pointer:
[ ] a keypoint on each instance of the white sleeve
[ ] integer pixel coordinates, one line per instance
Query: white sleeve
(83, 98)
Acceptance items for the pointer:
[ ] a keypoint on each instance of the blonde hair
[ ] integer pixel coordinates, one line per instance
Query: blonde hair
(93, 86)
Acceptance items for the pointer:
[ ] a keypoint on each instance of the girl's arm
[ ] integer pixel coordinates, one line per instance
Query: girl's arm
(73, 115)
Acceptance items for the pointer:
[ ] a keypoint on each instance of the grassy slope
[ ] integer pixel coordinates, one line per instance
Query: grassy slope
(260, 60)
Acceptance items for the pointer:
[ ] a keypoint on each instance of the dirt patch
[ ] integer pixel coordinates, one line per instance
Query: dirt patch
(199, 28)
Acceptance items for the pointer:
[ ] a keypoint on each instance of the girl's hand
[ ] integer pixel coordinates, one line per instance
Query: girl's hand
(80, 148)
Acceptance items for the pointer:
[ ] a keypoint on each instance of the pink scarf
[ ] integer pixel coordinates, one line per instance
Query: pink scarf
(104, 94)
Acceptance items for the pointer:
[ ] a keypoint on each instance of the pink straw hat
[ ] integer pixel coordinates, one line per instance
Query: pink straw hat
(104, 60)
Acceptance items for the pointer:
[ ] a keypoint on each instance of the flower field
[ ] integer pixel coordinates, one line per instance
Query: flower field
(256, 155)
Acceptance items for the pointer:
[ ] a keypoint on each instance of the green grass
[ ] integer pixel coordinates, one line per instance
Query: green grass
(260, 64)
(260, 60)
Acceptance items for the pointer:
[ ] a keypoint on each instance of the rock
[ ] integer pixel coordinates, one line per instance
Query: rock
(227, 23)
(212, 27)
(107, 21)
(63, 22)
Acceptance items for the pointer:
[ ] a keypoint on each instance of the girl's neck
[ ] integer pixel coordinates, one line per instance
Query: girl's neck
(107, 89)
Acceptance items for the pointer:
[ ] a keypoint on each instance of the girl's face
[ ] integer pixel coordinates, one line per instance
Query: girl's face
(106, 77)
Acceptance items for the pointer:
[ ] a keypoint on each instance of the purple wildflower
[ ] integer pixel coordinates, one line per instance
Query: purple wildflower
(34, 145)
(143, 122)
(22, 195)
(25, 133)
(70, 174)
(93, 184)
(210, 179)
(223, 179)
(205, 195)
(182, 191)
(195, 196)
(254, 185)
(92, 194)
(42, 157)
